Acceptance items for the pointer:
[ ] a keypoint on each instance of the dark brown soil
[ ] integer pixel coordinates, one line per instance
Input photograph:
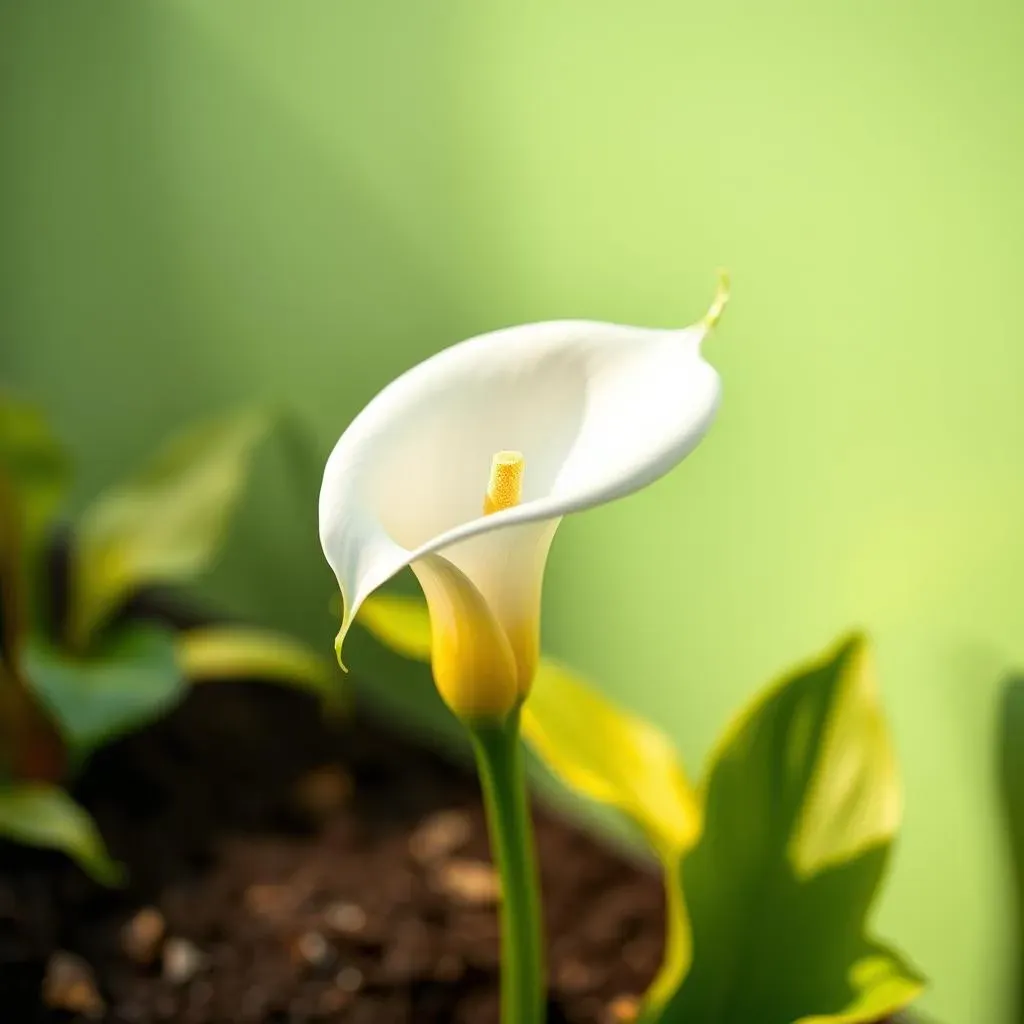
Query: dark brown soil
(299, 872)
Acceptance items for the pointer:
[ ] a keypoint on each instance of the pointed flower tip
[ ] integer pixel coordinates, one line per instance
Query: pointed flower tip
(720, 301)
(339, 641)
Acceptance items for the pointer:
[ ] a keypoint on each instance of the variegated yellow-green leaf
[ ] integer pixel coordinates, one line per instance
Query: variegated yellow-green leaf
(801, 806)
(237, 652)
(165, 524)
(610, 755)
(36, 814)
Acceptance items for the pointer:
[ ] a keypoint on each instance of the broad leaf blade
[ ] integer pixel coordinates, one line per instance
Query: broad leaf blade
(802, 803)
(165, 524)
(235, 652)
(42, 815)
(130, 681)
(610, 755)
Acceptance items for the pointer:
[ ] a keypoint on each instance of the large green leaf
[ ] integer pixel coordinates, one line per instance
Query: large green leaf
(1011, 784)
(238, 652)
(801, 805)
(36, 465)
(131, 680)
(41, 815)
(165, 524)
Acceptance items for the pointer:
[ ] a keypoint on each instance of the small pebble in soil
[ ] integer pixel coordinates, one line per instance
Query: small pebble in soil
(69, 985)
(345, 918)
(473, 882)
(275, 902)
(623, 1010)
(349, 979)
(183, 960)
(439, 836)
(312, 948)
(141, 935)
(323, 791)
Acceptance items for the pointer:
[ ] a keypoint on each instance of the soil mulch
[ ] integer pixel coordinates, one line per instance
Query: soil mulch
(283, 871)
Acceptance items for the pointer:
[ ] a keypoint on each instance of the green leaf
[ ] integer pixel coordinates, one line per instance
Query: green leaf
(1011, 785)
(235, 652)
(609, 755)
(165, 524)
(399, 622)
(36, 465)
(802, 803)
(43, 815)
(133, 679)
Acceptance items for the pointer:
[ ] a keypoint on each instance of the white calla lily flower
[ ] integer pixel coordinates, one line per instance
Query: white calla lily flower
(463, 466)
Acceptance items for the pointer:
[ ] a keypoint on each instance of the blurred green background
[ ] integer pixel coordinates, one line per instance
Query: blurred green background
(206, 203)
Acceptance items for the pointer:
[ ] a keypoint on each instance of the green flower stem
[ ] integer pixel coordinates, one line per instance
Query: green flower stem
(500, 763)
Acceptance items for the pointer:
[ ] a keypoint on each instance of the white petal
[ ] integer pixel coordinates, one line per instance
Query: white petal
(598, 411)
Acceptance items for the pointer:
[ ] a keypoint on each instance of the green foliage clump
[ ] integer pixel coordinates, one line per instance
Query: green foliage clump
(77, 669)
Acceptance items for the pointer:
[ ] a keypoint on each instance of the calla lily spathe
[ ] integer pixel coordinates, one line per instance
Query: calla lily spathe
(596, 410)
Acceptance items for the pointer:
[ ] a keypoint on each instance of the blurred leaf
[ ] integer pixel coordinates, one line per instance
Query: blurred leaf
(165, 524)
(801, 805)
(610, 755)
(30, 746)
(234, 652)
(130, 681)
(35, 463)
(399, 622)
(42, 815)
(1011, 784)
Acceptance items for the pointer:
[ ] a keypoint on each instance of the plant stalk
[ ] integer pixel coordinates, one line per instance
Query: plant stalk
(499, 761)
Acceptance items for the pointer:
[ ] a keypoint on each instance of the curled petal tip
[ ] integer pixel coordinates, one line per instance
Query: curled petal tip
(339, 640)
(720, 301)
